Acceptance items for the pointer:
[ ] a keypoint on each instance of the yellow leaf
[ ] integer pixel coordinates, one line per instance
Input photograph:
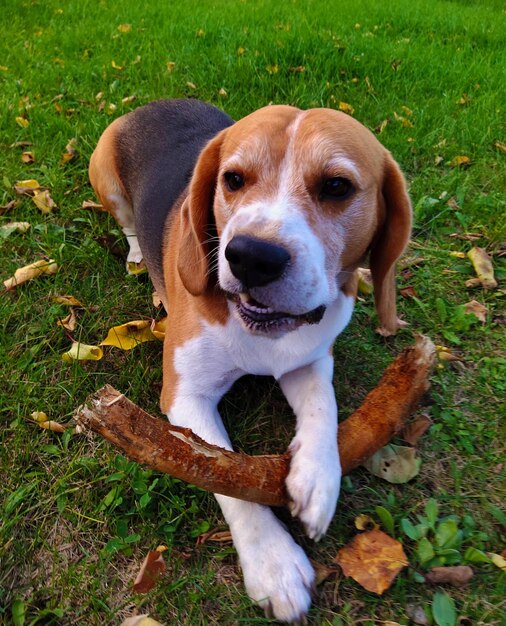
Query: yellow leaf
(498, 560)
(240, 51)
(158, 328)
(365, 522)
(67, 301)
(70, 151)
(10, 227)
(500, 145)
(365, 286)
(43, 201)
(170, 65)
(477, 309)
(124, 28)
(28, 157)
(191, 85)
(346, 108)
(200, 33)
(459, 255)
(26, 187)
(82, 352)
(22, 121)
(272, 69)
(39, 416)
(56, 427)
(403, 120)
(128, 99)
(127, 336)
(26, 273)
(373, 559)
(116, 66)
(483, 267)
(222, 92)
(136, 269)
(459, 161)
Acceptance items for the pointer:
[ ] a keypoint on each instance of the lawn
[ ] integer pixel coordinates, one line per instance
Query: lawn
(77, 518)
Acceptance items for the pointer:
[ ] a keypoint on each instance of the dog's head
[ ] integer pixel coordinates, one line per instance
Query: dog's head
(296, 200)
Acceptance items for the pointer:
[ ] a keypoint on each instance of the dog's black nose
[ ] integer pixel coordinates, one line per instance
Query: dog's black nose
(255, 262)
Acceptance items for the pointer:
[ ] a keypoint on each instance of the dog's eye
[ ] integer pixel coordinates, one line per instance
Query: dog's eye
(337, 188)
(233, 180)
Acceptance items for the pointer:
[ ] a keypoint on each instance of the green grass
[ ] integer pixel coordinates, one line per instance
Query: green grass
(77, 518)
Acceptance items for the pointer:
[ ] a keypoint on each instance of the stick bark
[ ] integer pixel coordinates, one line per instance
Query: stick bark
(179, 452)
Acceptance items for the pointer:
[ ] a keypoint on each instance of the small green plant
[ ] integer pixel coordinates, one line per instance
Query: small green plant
(442, 541)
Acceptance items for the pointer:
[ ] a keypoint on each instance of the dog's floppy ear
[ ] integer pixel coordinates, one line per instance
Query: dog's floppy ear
(197, 220)
(389, 243)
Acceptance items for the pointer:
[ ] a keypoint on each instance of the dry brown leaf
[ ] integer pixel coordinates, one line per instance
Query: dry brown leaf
(217, 536)
(7, 207)
(70, 151)
(157, 301)
(477, 309)
(373, 559)
(473, 283)
(500, 145)
(415, 429)
(10, 227)
(26, 273)
(90, 204)
(456, 575)
(69, 322)
(408, 292)
(151, 570)
(28, 157)
(483, 267)
(466, 236)
(322, 572)
(43, 201)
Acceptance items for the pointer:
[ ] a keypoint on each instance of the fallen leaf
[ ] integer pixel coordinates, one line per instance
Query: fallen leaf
(299, 68)
(403, 120)
(415, 429)
(218, 536)
(124, 28)
(44, 422)
(460, 161)
(28, 158)
(417, 615)
(26, 187)
(69, 322)
(466, 236)
(346, 108)
(222, 92)
(365, 522)
(500, 145)
(43, 201)
(22, 121)
(191, 85)
(82, 352)
(408, 292)
(140, 620)
(67, 301)
(11, 227)
(365, 285)
(322, 572)
(90, 204)
(395, 464)
(136, 269)
(170, 65)
(381, 127)
(116, 66)
(483, 267)
(70, 151)
(445, 354)
(477, 309)
(498, 560)
(373, 559)
(456, 575)
(129, 335)
(272, 69)
(473, 283)
(158, 328)
(457, 254)
(151, 569)
(157, 301)
(128, 99)
(28, 272)
(7, 207)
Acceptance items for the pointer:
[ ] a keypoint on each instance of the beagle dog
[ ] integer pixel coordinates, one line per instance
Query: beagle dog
(251, 232)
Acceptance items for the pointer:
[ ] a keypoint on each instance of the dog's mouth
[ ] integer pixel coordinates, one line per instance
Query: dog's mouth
(260, 318)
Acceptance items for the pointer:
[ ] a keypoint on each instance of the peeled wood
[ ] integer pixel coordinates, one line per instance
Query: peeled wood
(179, 452)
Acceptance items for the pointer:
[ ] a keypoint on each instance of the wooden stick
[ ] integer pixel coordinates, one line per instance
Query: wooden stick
(179, 452)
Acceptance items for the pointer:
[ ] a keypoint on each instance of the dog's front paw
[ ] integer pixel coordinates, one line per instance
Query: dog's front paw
(279, 577)
(313, 486)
